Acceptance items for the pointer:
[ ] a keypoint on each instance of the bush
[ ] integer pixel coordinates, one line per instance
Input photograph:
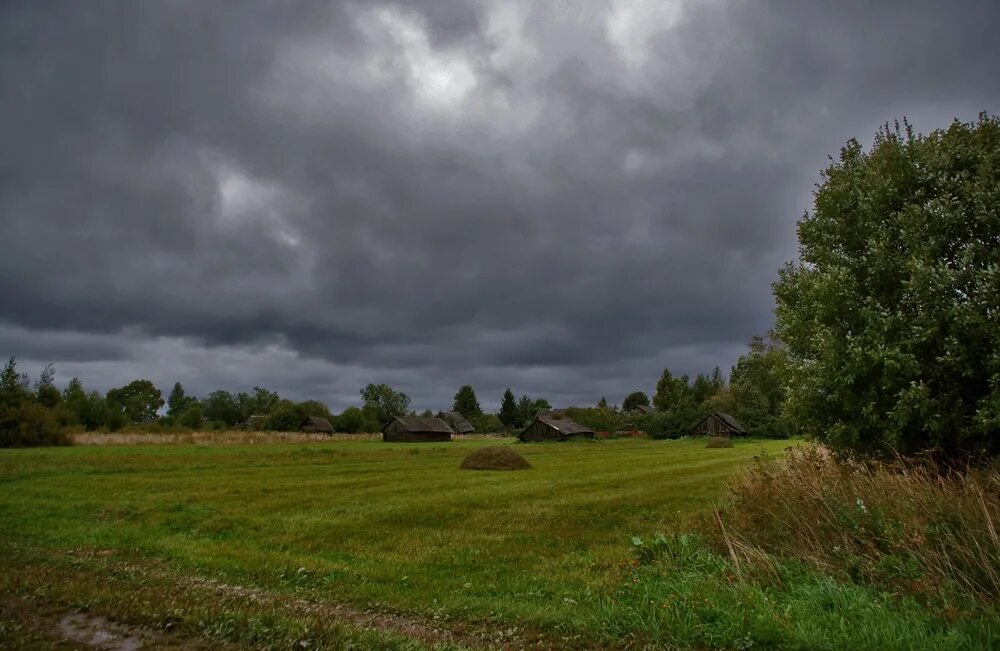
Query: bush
(29, 424)
(720, 442)
(287, 417)
(906, 527)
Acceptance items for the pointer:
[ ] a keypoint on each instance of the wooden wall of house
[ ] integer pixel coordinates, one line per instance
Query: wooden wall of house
(399, 435)
(539, 431)
(711, 426)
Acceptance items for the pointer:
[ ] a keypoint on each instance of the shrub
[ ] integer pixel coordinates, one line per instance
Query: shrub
(29, 424)
(903, 526)
(720, 442)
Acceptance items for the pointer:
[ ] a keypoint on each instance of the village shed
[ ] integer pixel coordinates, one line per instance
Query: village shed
(458, 423)
(719, 424)
(554, 429)
(416, 430)
(316, 424)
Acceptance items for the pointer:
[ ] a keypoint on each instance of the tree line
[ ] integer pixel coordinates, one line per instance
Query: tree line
(38, 413)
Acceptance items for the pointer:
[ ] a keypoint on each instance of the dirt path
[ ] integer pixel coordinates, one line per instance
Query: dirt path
(41, 627)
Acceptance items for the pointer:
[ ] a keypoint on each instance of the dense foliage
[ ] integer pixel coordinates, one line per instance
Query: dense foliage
(466, 402)
(891, 315)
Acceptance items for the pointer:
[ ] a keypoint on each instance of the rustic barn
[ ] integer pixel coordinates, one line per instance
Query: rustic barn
(719, 424)
(457, 422)
(255, 423)
(415, 430)
(316, 424)
(554, 429)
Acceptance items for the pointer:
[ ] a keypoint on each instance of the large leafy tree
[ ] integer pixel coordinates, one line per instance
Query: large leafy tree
(757, 386)
(635, 400)
(385, 402)
(220, 407)
(891, 313)
(466, 402)
(137, 401)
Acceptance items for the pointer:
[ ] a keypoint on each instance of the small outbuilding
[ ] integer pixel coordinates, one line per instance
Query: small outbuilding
(416, 430)
(719, 424)
(458, 423)
(316, 424)
(554, 429)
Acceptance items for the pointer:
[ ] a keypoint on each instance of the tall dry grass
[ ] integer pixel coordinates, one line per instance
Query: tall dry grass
(906, 526)
(234, 437)
(231, 437)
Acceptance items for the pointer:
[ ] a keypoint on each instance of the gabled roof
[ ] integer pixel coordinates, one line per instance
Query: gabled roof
(317, 423)
(457, 421)
(731, 422)
(420, 424)
(566, 426)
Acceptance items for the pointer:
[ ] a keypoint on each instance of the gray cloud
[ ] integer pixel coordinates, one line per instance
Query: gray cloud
(560, 197)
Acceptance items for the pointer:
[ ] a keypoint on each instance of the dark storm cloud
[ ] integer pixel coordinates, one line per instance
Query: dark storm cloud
(561, 197)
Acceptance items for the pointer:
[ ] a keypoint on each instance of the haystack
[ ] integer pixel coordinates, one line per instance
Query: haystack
(719, 442)
(496, 457)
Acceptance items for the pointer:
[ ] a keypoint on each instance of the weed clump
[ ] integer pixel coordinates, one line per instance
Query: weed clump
(719, 442)
(495, 457)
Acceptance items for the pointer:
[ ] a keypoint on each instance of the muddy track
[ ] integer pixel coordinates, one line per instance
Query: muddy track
(51, 628)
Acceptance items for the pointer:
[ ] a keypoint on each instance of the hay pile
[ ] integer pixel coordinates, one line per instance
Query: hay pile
(719, 442)
(496, 457)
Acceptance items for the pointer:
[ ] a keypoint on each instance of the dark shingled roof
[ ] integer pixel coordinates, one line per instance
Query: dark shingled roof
(421, 424)
(457, 421)
(731, 422)
(566, 426)
(316, 424)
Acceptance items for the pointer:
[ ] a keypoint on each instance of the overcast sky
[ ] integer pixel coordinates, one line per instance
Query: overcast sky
(562, 197)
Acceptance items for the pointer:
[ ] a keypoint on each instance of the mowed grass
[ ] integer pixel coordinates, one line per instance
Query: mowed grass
(367, 523)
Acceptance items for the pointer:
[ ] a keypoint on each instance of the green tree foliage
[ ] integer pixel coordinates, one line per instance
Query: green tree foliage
(891, 314)
(634, 400)
(286, 417)
(678, 409)
(525, 410)
(220, 407)
(259, 403)
(137, 401)
(385, 402)
(192, 418)
(315, 408)
(76, 402)
(757, 387)
(702, 389)
(23, 420)
(466, 402)
(718, 381)
(178, 402)
(46, 392)
(353, 420)
(510, 415)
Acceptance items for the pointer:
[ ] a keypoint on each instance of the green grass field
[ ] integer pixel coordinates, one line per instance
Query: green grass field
(362, 544)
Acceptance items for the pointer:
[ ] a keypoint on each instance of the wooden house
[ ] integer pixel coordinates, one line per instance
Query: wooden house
(458, 423)
(719, 424)
(554, 429)
(316, 424)
(416, 430)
